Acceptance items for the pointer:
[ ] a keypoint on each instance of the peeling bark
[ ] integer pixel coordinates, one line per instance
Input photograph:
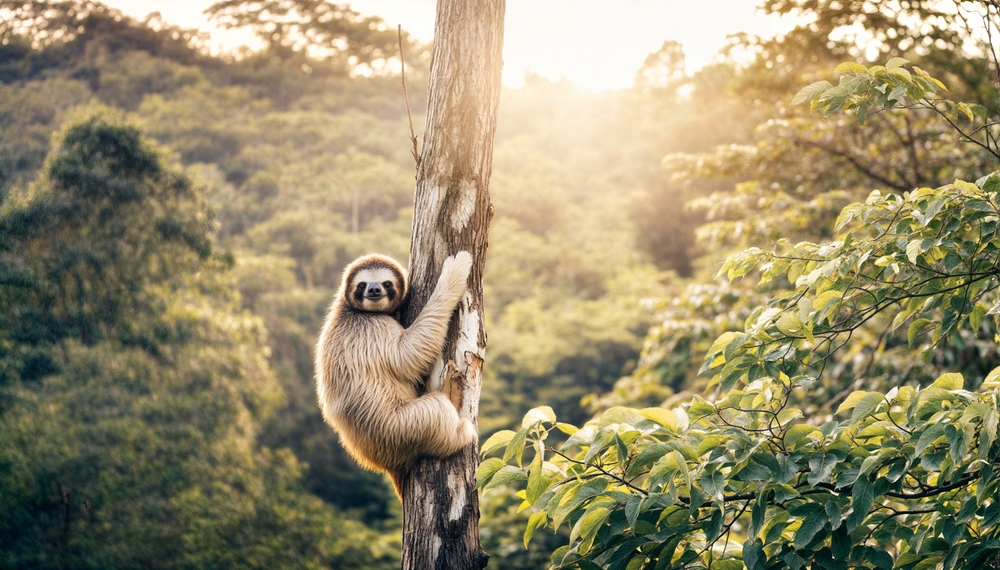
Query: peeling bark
(452, 212)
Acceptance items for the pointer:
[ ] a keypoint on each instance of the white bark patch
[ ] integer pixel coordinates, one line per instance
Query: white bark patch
(435, 545)
(468, 342)
(466, 205)
(457, 499)
(468, 334)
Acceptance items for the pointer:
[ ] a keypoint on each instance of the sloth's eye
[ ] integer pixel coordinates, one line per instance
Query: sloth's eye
(361, 286)
(387, 284)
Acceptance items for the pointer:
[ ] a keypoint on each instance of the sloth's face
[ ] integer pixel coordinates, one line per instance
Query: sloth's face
(376, 289)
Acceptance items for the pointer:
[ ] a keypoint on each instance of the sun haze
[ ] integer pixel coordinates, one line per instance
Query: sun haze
(581, 40)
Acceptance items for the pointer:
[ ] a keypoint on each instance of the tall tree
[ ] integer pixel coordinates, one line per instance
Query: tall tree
(452, 213)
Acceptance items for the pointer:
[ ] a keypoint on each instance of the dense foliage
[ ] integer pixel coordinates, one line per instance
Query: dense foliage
(851, 411)
(901, 479)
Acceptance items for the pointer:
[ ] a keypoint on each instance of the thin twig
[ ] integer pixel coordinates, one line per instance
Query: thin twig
(406, 99)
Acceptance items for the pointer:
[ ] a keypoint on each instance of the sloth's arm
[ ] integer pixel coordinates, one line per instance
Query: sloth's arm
(420, 344)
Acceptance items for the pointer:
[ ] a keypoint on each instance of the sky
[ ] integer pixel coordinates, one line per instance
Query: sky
(596, 44)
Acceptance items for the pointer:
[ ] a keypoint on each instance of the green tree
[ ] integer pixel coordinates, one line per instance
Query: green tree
(321, 29)
(134, 387)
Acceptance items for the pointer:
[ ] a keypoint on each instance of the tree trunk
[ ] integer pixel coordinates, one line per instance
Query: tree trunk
(452, 212)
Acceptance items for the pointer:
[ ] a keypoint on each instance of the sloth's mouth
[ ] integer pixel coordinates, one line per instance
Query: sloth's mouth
(374, 297)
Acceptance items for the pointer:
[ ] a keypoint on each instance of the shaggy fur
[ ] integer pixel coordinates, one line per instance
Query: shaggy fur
(368, 367)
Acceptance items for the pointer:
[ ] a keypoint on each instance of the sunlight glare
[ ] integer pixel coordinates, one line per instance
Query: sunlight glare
(585, 41)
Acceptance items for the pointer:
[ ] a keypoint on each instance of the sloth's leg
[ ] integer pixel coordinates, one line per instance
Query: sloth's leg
(433, 427)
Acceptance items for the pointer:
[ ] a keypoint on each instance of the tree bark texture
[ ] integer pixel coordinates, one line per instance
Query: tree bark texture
(452, 212)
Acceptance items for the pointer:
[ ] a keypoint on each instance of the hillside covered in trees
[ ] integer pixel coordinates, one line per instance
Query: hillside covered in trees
(173, 225)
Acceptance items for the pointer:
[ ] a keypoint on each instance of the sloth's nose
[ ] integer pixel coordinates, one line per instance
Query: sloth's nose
(374, 289)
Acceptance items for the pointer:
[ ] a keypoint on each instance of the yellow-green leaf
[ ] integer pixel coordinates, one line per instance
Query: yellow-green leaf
(536, 520)
(496, 441)
(588, 525)
(798, 433)
(824, 299)
(850, 67)
(486, 470)
(851, 401)
(662, 416)
(537, 415)
(949, 381)
(790, 324)
(896, 63)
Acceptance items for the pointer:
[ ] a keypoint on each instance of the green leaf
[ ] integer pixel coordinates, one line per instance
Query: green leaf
(537, 415)
(505, 475)
(900, 74)
(787, 469)
(916, 328)
(865, 406)
(977, 205)
(929, 435)
(916, 247)
(622, 451)
(700, 407)
(949, 381)
(927, 76)
(601, 441)
(812, 522)
(536, 520)
(851, 401)
(496, 441)
(486, 471)
(632, 509)
(862, 498)
(880, 558)
(896, 63)
(650, 454)
(757, 513)
(833, 513)
(823, 300)
(516, 446)
(820, 467)
(537, 484)
(589, 524)
(958, 444)
(714, 440)
(713, 482)
(723, 341)
(713, 526)
(798, 433)
(896, 93)
(850, 67)
(811, 92)
(666, 418)
(753, 555)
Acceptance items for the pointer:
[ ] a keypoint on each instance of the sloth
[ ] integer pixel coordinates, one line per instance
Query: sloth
(369, 368)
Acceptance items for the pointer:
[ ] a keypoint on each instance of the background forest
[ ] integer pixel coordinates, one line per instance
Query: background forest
(173, 225)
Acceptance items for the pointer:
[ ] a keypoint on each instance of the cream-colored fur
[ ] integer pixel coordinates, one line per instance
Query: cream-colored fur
(368, 369)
